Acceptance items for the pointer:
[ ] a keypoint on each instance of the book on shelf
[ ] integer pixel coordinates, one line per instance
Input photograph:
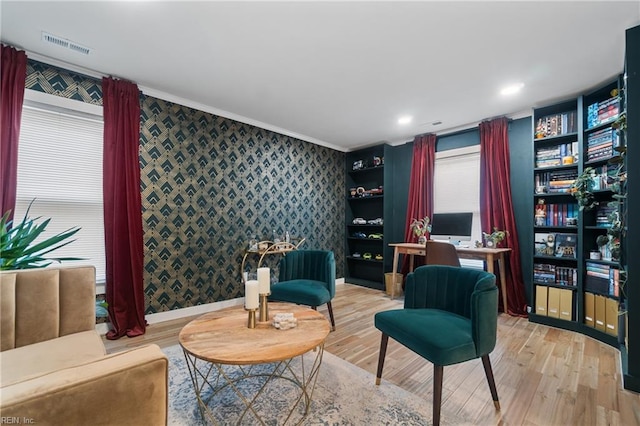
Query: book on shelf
(603, 111)
(603, 215)
(561, 214)
(557, 155)
(544, 273)
(605, 176)
(544, 244)
(600, 144)
(557, 181)
(556, 124)
(566, 245)
(602, 279)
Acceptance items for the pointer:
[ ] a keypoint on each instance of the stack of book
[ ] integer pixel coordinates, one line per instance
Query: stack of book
(603, 112)
(544, 273)
(556, 125)
(603, 216)
(558, 181)
(602, 279)
(605, 176)
(600, 144)
(556, 155)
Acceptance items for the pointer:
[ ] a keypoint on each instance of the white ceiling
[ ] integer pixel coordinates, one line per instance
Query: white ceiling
(339, 74)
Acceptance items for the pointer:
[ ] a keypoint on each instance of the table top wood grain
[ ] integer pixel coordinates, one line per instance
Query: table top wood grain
(223, 337)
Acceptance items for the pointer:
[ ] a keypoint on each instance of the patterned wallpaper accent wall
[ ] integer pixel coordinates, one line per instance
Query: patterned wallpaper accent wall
(208, 184)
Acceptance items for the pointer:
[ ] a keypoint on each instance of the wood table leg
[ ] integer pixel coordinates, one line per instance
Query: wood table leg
(503, 278)
(394, 271)
(503, 282)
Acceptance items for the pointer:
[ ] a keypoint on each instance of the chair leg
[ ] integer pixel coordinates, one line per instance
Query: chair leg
(438, 371)
(333, 322)
(383, 352)
(486, 362)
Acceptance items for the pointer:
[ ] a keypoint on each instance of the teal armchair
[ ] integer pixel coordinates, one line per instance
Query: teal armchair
(307, 277)
(450, 316)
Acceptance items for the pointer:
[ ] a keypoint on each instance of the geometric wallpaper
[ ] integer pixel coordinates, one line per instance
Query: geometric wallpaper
(60, 82)
(208, 185)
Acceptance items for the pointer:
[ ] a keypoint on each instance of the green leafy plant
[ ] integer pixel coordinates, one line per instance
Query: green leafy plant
(18, 246)
(582, 187)
(421, 226)
(496, 237)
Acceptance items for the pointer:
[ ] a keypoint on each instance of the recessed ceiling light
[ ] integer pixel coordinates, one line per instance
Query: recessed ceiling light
(405, 120)
(512, 89)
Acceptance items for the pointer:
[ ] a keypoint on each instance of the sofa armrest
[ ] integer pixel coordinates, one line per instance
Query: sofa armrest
(125, 388)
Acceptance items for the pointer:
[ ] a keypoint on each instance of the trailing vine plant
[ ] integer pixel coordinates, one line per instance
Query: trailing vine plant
(582, 187)
(618, 184)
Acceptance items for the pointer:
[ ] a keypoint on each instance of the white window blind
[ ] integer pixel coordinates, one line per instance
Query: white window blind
(456, 188)
(60, 166)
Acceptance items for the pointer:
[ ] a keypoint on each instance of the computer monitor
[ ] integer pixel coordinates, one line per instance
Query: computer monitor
(452, 227)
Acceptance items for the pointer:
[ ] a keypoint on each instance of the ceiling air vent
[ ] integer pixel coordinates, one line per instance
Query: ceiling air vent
(63, 42)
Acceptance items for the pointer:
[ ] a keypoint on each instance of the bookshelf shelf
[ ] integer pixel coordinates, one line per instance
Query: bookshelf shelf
(557, 258)
(567, 229)
(557, 138)
(367, 198)
(600, 126)
(552, 168)
(559, 159)
(568, 287)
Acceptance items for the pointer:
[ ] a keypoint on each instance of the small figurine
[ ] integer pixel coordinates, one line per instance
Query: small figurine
(540, 214)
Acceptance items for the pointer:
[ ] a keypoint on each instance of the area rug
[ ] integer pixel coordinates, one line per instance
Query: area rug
(344, 395)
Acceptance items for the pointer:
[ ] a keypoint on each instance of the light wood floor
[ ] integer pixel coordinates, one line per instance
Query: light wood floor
(544, 376)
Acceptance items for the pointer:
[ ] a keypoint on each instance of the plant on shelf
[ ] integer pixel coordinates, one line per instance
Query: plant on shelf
(618, 184)
(420, 228)
(582, 187)
(19, 248)
(604, 243)
(494, 238)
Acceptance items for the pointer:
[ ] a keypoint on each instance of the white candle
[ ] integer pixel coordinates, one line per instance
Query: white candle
(251, 300)
(245, 277)
(264, 280)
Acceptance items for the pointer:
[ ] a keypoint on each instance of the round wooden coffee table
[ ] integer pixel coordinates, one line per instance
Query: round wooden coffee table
(256, 366)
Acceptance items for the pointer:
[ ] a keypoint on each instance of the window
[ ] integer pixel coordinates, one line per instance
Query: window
(60, 166)
(456, 188)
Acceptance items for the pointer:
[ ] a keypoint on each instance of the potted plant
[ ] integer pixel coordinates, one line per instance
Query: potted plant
(494, 238)
(420, 228)
(19, 248)
(603, 245)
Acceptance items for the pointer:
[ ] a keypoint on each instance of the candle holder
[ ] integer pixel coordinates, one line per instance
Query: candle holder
(251, 321)
(264, 308)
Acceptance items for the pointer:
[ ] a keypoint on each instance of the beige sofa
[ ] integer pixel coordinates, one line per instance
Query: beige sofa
(53, 364)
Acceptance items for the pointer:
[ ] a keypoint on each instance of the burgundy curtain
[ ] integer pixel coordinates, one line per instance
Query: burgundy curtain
(496, 208)
(420, 202)
(13, 73)
(123, 208)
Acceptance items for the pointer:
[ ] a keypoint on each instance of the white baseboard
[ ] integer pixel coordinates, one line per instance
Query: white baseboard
(188, 312)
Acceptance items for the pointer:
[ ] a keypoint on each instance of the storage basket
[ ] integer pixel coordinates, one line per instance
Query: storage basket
(388, 281)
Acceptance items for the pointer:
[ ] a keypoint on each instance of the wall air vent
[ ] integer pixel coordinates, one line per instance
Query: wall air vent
(63, 42)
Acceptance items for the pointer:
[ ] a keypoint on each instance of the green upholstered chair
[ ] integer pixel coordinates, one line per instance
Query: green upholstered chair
(307, 277)
(450, 316)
